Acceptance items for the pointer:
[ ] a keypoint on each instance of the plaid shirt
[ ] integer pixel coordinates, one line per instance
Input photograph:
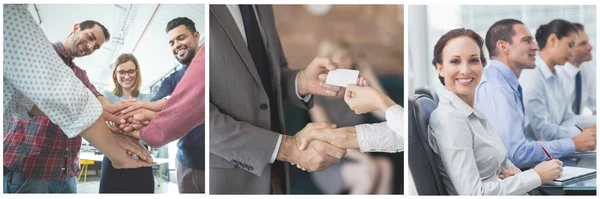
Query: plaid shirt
(38, 148)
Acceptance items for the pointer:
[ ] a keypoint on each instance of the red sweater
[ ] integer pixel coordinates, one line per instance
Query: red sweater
(183, 111)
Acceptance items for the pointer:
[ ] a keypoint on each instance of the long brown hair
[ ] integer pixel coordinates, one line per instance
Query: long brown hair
(123, 58)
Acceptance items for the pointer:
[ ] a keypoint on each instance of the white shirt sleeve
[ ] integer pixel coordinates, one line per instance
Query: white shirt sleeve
(274, 155)
(306, 98)
(35, 74)
(383, 137)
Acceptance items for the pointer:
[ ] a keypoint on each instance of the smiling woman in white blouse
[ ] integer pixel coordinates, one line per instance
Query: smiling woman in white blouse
(474, 160)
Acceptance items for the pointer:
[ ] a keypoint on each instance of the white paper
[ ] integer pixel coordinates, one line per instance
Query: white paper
(573, 172)
(342, 77)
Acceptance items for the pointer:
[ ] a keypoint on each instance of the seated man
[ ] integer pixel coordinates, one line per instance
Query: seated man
(578, 81)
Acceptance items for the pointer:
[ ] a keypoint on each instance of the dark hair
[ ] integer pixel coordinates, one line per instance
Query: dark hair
(459, 32)
(87, 24)
(578, 26)
(559, 27)
(501, 30)
(188, 23)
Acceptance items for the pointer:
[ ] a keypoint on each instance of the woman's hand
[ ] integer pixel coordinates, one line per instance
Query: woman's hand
(363, 99)
(509, 171)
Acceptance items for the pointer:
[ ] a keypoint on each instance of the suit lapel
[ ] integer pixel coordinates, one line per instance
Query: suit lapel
(225, 20)
(265, 20)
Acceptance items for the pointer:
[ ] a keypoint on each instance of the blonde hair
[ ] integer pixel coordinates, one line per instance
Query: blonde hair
(124, 58)
(328, 46)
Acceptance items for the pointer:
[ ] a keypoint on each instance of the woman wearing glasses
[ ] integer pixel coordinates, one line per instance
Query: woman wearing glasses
(127, 78)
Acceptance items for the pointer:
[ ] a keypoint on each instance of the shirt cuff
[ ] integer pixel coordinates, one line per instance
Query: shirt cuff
(274, 155)
(567, 146)
(531, 179)
(377, 138)
(306, 98)
(394, 117)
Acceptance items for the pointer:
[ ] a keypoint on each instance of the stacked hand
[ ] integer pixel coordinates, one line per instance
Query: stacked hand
(125, 118)
(129, 116)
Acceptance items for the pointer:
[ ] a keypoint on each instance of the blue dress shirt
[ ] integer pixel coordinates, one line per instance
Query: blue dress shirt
(497, 97)
(547, 109)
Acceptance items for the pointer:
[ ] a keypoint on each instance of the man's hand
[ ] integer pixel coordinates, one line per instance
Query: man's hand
(341, 137)
(586, 140)
(312, 79)
(509, 171)
(366, 99)
(153, 106)
(111, 111)
(133, 147)
(137, 119)
(317, 157)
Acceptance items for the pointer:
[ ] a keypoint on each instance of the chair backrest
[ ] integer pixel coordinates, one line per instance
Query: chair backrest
(429, 92)
(421, 158)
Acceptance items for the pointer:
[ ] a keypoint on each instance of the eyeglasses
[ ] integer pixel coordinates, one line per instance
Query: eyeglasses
(131, 72)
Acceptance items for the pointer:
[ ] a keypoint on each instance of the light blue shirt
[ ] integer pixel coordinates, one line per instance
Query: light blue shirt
(114, 99)
(549, 114)
(497, 98)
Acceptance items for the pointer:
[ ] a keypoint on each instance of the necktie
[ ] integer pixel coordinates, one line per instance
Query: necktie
(577, 101)
(521, 97)
(258, 52)
(261, 61)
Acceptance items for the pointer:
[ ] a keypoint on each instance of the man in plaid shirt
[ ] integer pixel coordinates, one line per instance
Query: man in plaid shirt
(38, 156)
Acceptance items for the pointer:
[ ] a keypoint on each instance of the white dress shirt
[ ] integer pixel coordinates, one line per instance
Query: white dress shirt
(35, 75)
(549, 115)
(566, 74)
(472, 153)
(235, 12)
(385, 136)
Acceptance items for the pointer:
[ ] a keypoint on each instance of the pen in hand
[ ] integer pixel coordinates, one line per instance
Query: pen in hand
(578, 127)
(547, 154)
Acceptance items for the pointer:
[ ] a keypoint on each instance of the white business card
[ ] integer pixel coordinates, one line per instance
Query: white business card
(342, 77)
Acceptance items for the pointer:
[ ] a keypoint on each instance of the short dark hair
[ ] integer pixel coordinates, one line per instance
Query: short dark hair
(459, 32)
(559, 27)
(188, 23)
(579, 26)
(501, 30)
(87, 24)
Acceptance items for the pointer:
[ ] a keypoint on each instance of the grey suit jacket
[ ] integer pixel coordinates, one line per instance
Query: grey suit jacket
(241, 143)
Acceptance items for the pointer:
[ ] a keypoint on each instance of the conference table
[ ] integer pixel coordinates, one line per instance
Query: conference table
(584, 185)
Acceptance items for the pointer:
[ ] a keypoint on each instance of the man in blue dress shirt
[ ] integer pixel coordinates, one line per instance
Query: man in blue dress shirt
(499, 96)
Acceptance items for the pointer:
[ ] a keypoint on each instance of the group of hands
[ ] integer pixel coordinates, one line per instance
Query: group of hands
(319, 145)
(125, 119)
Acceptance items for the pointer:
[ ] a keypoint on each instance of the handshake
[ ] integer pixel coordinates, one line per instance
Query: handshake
(317, 146)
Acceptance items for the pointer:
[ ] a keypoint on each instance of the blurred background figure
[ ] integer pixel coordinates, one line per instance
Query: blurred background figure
(368, 38)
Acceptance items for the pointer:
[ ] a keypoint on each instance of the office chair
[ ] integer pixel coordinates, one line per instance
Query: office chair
(429, 92)
(422, 161)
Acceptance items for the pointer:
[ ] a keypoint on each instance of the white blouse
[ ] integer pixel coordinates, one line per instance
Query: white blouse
(385, 136)
(472, 153)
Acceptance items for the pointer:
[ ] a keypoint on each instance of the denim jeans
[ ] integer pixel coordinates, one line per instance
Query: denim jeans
(17, 183)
